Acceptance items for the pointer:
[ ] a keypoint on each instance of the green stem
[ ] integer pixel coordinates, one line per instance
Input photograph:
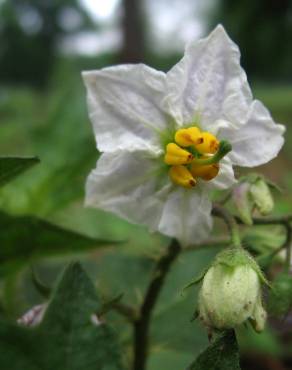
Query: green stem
(287, 245)
(128, 312)
(232, 225)
(268, 220)
(218, 242)
(142, 323)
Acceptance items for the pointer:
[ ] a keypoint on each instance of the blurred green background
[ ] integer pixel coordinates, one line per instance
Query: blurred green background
(44, 46)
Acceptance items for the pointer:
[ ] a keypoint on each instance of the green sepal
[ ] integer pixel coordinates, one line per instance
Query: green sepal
(274, 186)
(196, 280)
(232, 258)
(265, 260)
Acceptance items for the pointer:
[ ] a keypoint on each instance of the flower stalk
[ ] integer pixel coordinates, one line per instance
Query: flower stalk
(142, 323)
(231, 223)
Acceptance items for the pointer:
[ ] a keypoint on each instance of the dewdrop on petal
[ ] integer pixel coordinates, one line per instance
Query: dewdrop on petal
(231, 292)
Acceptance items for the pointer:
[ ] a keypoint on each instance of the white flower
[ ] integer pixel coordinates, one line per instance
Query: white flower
(137, 111)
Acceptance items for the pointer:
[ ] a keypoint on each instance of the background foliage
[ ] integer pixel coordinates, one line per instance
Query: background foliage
(43, 114)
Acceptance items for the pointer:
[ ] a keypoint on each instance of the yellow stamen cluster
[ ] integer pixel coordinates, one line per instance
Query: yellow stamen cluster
(185, 170)
(180, 175)
(175, 155)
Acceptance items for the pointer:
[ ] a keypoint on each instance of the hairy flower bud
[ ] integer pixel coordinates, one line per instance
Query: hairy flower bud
(231, 293)
(252, 193)
(243, 203)
(262, 197)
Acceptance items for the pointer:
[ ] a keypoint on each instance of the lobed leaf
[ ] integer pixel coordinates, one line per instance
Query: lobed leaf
(70, 337)
(222, 354)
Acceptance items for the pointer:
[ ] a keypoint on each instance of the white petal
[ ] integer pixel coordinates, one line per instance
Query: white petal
(225, 178)
(186, 216)
(125, 107)
(125, 183)
(208, 83)
(132, 186)
(258, 141)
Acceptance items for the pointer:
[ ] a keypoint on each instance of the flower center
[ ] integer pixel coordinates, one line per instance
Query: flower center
(195, 154)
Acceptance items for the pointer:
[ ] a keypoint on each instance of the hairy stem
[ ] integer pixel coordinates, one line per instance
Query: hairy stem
(142, 323)
(218, 242)
(231, 223)
(269, 220)
(128, 312)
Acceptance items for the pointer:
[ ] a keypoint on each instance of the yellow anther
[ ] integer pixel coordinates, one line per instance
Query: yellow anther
(207, 172)
(188, 136)
(210, 143)
(201, 161)
(176, 155)
(180, 175)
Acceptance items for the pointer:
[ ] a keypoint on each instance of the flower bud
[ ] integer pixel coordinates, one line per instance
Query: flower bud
(262, 197)
(252, 193)
(231, 293)
(243, 203)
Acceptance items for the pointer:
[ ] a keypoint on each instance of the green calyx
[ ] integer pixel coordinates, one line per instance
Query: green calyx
(231, 257)
(230, 293)
(237, 257)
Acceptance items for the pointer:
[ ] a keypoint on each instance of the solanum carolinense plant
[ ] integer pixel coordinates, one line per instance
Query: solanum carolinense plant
(169, 144)
(168, 141)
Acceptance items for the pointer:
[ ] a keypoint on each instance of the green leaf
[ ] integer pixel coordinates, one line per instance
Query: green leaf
(263, 239)
(123, 271)
(68, 338)
(164, 358)
(174, 330)
(27, 238)
(11, 167)
(222, 354)
(280, 298)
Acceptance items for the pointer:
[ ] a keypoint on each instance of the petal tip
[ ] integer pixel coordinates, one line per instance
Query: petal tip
(282, 129)
(87, 76)
(220, 31)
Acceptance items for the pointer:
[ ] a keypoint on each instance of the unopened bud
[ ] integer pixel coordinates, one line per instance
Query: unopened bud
(252, 193)
(231, 293)
(262, 197)
(243, 203)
